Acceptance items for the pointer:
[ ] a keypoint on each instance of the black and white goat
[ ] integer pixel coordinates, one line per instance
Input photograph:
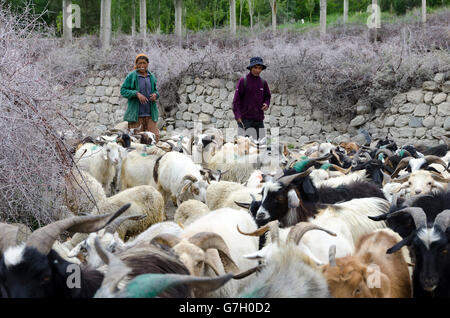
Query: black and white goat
(294, 198)
(34, 269)
(424, 226)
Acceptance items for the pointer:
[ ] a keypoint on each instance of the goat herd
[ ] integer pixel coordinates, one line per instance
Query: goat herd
(253, 219)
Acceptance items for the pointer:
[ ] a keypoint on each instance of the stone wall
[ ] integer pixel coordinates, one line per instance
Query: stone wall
(422, 113)
(95, 104)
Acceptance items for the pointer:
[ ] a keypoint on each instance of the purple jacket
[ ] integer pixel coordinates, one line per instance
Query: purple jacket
(248, 104)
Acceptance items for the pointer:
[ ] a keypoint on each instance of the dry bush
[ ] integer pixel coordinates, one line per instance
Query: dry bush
(32, 155)
(334, 73)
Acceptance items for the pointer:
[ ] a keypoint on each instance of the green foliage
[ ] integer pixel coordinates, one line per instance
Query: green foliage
(205, 15)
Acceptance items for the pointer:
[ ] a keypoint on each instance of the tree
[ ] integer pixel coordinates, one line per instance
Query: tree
(178, 11)
(133, 18)
(233, 17)
(424, 11)
(273, 6)
(345, 11)
(106, 31)
(323, 17)
(309, 4)
(251, 10)
(143, 18)
(67, 25)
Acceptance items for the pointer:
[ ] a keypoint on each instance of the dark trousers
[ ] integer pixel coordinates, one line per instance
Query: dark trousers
(254, 128)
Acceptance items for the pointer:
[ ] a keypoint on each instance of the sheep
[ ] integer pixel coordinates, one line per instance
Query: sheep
(422, 182)
(137, 169)
(286, 270)
(100, 162)
(239, 168)
(218, 192)
(83, 191)
(177, 176)
(189, 211)
(370, 273)
(211, 246)
(144, 200)
(342, 180)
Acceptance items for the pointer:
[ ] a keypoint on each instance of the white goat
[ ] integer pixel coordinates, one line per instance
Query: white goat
(211, 246)
(100, 161)
(178, 177)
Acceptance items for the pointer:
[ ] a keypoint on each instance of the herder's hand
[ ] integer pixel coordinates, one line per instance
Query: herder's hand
(265, 107)
(142, 98)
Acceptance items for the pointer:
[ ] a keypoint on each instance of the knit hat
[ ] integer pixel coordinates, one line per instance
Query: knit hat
(140, 55)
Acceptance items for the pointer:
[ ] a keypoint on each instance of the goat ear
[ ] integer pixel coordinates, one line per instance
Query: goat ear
(308, 186)
(293, 199)
(406, 241)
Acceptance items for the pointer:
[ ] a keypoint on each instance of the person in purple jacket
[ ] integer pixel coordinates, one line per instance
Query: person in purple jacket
(251, 100)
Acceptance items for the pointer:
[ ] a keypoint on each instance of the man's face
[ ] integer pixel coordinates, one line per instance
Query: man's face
(142, 64)
(256, 70)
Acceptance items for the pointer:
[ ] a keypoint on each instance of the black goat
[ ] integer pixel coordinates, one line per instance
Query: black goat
(35, 270)
(424, 225)
(277, 197)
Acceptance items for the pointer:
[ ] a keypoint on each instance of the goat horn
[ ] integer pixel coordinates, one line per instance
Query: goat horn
(297, 231)
(402, 164)
(285, 181)
(336, 156)
(332, 255)
(402, 178)
(112, 227)
(443, 220)
(152, 285)
(166, 239)
(243, 204)
(189, 177)
(248, 272)
(435, 159)
(206, 240)
(272, 226)
(439, 178)
(419, 216)
(340, 169)
(117, 270)
(42, 239)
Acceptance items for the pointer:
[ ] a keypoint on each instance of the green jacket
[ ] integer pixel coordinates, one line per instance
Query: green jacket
(129, 90)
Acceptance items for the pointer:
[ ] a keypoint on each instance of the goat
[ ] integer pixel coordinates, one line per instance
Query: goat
(189, 211)
(286, 271)
(413, 164)
(422, 182)
(211, 246)
(100, 162)
(430, 242)
(177, 176)
(150, 285)
(369, 273)
(33, 269)
(278, 197)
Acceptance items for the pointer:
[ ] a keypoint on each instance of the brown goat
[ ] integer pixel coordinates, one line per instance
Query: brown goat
(370, 272)
(349, 146)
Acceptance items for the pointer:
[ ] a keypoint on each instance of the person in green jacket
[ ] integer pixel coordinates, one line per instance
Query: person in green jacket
(140, 89)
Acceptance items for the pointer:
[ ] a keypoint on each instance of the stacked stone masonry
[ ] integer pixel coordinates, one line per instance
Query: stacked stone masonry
(420, 114)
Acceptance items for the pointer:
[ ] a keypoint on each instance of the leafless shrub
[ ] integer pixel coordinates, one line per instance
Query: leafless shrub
(32, 155)
(334, 73)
